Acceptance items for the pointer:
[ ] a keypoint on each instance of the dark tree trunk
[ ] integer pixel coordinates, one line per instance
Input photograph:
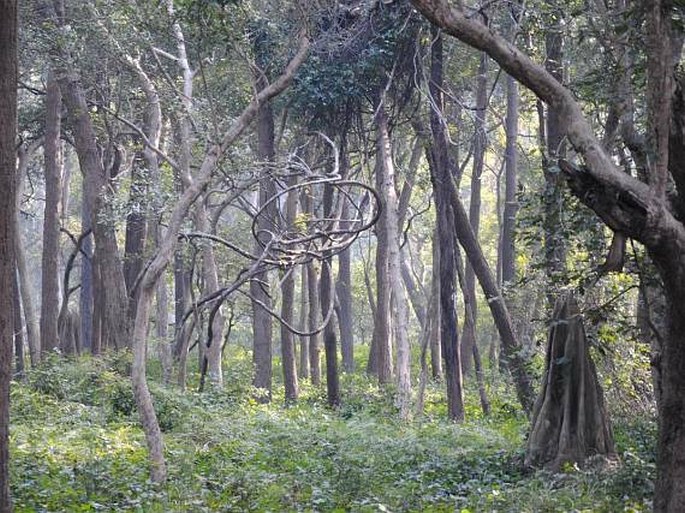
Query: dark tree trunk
(8, 185)
(261, 320)
(136, 231)
(479, 146)
(569, 421)
(441, 168)
(49, 338)
(329, 337)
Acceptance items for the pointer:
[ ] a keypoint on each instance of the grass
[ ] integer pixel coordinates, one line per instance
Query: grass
(76, 446)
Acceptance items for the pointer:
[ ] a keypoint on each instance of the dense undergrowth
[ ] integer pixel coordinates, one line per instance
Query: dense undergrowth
(76, 446)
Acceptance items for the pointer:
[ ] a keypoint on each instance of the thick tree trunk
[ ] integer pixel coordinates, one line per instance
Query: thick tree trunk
(399, 300)
(261, 320)
(479, 145)
(8, 203)
(569, 422)
(49, 337)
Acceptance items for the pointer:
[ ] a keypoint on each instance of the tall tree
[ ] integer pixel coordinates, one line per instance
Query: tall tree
(392, 238)
(479, 147)
(441, 166)
(8, 184)
(49, 311)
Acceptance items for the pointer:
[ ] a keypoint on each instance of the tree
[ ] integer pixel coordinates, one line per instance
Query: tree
(569, 422)
(627, 205)
(49, 338)
(8, 184)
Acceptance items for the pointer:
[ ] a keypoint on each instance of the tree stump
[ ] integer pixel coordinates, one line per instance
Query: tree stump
(569, 422)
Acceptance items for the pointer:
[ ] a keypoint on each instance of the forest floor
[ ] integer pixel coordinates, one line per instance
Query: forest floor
(76, 446)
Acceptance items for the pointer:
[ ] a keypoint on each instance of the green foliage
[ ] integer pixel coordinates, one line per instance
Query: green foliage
(76, 446)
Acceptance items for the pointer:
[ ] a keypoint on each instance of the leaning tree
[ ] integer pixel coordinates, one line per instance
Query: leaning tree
(650, 213)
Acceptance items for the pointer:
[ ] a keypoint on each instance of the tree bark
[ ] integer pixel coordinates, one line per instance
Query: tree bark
(382, 328)
(479, 145)
(510, 202)
(314, 321)
(25, 285)
(329, 336)
(49, 337)
(399, 300)
(441, 168)
(288, 356)
(8, 204)
(303, 367)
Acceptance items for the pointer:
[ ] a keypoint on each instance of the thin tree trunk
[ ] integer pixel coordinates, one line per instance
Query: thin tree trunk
(329, 335)
(510, 203)
(343, 290)
(19, 366)
(303, 368)
(49, 337)
(434, 313)
(441, 176)
(382, 327)
(314, 321)
(25, 285)
(288, 356)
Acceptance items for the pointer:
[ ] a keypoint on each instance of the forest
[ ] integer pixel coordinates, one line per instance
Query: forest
(351, 255)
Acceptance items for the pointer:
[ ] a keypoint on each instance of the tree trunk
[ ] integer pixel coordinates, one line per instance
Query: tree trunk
(510, 203)
(569, 421)
(288, 356)
(479, 146)
(20, 364)
(49, 338)
(343, 290)
(115, 319)
(261, 320)
(382, 328)
(441, 167)
(303, 368)
(434, 313)
(8, 205)
(552, 138)
(25, 285)
(399, 300)
(314, 321)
